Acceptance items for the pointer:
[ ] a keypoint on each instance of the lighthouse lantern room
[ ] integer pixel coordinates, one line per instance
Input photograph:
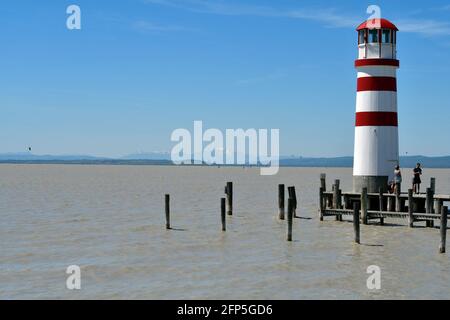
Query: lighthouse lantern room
(376, 127)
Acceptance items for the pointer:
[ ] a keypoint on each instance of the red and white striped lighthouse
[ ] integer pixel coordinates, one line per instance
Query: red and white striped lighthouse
(376, 131)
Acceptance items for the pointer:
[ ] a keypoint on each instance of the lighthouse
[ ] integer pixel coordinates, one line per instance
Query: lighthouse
(376, 126)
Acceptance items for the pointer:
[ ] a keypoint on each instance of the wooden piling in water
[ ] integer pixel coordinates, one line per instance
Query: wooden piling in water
(229, 198)
(337, 197)
(223, 214)
(444, 213)
(335, 193)
(167, 202)
(433, 184)
(322, 204)
(429, 206)
(290, 215)
(323, 181)
(356, 222)
(411, 208)
(381, 203)
(398, 201)
(281, 198)
(323, 184)
(364, 206)
(293, 196)
(339, 204)
(438, 203)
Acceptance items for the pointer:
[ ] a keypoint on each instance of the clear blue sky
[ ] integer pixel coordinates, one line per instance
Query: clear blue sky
(139, 69)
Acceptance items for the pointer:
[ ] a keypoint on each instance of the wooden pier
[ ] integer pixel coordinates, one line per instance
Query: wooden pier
(377, 207)
(363, 207)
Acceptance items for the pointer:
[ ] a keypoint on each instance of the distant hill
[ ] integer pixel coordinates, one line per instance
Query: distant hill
(25, 156)
(347, 162)
(344, 162)
(428, 162)
(147, 156)
(164, 159)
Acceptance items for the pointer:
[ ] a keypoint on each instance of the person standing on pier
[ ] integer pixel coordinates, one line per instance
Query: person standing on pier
(397, 178)
(416, 179)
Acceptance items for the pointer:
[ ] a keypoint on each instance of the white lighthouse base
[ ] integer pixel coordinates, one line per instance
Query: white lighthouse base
(372, 183)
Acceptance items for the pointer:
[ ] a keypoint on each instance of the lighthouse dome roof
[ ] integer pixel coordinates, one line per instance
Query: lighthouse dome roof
(378, 24)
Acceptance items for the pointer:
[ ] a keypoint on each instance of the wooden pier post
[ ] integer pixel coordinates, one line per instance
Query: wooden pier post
(437, 206)
(293, 195)
(346, 204)
(339, 204)
(438, 203)
(323, 181)
(398, 201)
(411, 208)
(281, 198)
(321, 203)
(323, 184)
(433, 184)
(167, 201)
(381, 204)
(223, 214)
(337, 198)
(335, 193)
(229, 193)
(290, 215)
(444, 213)
(356, 222)
(364, 208)
(429, 206)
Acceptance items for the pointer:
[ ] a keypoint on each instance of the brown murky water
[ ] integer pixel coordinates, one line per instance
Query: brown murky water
(109, 220)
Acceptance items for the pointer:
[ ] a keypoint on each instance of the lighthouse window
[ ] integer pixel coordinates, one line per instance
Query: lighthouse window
(387, 38)
(362, 37)
(373, 36)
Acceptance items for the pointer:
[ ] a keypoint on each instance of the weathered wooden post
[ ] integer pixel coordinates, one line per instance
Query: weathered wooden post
(167, 198)
(381, 203)
(335, 193)
(346, 204)
(293, 196)
(281, 198)
(429, 206)
(356, 225)
(436, 206)
(411, 208)
(433, 184)
(229, 193)
(438, 203)
(337, 197)
(364, 208)
(398, 202)
(444, 213)
(323, 184)
(223, 213)
(339, 203)
(323, 181)
(321, 204)
(290, 216)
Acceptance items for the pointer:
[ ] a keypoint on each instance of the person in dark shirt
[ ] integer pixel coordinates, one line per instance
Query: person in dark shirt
(416, 179)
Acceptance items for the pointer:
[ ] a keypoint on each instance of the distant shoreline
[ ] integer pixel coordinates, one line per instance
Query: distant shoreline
(343, 162)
